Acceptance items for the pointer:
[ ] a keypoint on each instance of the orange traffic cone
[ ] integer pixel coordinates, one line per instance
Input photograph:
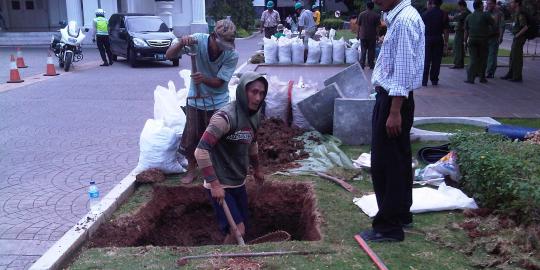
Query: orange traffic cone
(20, 59)
(14, 76)
(51, 71)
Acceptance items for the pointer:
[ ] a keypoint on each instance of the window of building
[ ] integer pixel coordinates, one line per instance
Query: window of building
(15, 5)
(29, 5)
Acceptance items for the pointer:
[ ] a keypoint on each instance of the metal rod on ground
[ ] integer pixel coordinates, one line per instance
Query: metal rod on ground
(372, 255)
(184, 260)
(232, 224)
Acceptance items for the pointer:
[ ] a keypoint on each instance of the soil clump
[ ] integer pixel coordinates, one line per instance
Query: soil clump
(150, 176)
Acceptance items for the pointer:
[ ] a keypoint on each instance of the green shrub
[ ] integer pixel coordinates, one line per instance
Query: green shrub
(449, 7)
(500, 174)
(242, 33)
(332, 23)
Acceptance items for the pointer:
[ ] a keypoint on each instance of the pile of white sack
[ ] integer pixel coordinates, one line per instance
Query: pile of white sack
(326, 51)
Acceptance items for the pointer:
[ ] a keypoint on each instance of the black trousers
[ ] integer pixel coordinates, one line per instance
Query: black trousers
(432, 61)
(104, 45)
(270, 31)
(391, 170)
(368, 47)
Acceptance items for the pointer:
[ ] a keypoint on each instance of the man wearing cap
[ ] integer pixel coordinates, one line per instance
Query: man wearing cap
(216, 62)
(305, 22)
(316, 14)
(269, 20)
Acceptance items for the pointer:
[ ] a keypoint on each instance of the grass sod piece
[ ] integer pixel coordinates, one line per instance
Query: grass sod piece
(341, 220)
(524, 122)
(450, 128)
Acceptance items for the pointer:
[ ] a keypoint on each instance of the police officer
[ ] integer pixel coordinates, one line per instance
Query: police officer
(519, 27)
(436, 22)
(477, 27)
(101, 27)
(495, 37)
(459, 38)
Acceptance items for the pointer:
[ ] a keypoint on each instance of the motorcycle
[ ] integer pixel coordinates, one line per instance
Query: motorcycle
(66, 45)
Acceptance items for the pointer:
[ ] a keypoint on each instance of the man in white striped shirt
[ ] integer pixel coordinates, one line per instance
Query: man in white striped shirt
(398, 71)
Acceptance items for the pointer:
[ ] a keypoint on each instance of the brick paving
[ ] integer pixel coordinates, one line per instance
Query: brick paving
(57, 135)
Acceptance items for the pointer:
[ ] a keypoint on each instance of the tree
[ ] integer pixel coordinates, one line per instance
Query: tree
(241, 11)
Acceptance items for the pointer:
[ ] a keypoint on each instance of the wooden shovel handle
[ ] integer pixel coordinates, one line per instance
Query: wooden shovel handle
(232, 224)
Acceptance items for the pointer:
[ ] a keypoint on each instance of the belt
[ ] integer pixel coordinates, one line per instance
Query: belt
(380, 90)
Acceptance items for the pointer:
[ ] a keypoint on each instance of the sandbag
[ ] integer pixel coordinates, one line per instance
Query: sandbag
(284, 50)
(314, 52)
(351, 52)
(338, 51)
(277, 99)
(297, 48)
(158, 148)
(167, 108)
(300, 92)
(270, 50)
(326, 51)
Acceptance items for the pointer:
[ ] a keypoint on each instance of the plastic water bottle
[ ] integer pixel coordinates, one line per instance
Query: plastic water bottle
(93, 193)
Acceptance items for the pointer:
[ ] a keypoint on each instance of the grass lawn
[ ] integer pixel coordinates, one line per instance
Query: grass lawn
(341, 221)
(525, 122)
(450, 128)
(345, 33)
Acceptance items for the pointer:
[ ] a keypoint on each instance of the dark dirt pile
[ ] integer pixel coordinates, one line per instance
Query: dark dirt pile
(277, 147)
(183, 216)
(150, 176)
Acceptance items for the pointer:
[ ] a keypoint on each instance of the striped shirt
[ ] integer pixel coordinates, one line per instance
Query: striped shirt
(270, 19)
(400, 64)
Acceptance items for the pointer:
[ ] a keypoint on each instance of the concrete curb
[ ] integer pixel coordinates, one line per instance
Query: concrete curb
(248, 37)
(426, 135)
(61, 251)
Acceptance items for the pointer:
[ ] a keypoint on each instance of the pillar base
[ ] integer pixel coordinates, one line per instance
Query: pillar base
(199, 28)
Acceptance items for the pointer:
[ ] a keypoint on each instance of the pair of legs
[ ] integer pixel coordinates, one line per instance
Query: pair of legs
(459, 50)
(478, 50)
(196, 122)
(237, 201)
(368, 48)
(391, 169)
(104, 47)
(432, 60)
(516, 60)
(270, 31)
(493, 50)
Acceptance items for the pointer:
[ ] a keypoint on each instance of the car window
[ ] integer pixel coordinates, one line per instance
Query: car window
(146, 24)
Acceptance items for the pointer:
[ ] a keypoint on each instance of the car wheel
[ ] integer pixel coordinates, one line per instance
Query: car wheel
(176, 62)
(132, 58)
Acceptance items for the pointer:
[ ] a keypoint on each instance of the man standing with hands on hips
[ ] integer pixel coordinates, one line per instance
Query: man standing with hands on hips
(398, 71)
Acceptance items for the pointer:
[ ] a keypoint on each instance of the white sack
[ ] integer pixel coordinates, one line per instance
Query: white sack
(233, 83)
(351, 52)
(182, 94)
(326, 51)
(425, 199)
(332, 34)
(338, 51)
(284, 50)
(314, 52)
(297, 48)
(270, 50)
(277, 99)
(158, 148)
(167, 108)
(300, 92)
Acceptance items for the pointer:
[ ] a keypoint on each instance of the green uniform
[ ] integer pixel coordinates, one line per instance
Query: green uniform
(493, 41)
(516, 53)
(459, 49)
(477, 26)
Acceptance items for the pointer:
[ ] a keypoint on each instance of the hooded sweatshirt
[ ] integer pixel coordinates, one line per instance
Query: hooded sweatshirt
(229, 142)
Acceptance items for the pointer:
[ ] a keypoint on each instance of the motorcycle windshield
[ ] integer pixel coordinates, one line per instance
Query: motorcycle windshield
(73, 29)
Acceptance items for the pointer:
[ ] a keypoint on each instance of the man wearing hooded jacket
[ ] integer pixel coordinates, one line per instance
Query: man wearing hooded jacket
(227, 148)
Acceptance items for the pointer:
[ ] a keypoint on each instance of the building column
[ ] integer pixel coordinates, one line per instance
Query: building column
(164, 10)
(74, 11)
(198, 24)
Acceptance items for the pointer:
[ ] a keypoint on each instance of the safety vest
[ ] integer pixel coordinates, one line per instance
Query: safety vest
(102, 26)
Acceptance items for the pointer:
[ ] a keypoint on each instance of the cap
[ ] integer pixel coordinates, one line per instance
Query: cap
(270, 4)
(280, 27)
(225, 31)
(298, 5)
(100, 11)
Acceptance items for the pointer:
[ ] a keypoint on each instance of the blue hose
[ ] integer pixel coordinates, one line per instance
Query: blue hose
(512, 132)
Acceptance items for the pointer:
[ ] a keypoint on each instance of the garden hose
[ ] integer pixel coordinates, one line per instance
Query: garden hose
(432, 154)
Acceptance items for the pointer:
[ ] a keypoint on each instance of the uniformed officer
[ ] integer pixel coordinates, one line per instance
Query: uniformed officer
(477, 27)
(459, 38)
(495, 37)
(101, 27)
(519, 27)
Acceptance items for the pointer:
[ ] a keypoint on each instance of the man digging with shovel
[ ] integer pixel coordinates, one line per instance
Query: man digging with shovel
(225, 151)
(215, 63)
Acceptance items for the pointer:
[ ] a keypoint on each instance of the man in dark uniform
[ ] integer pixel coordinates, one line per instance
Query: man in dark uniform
(495, 37)
(368, 21)
(477, 27)
(519, 27)
(436, 22)
(459, 38)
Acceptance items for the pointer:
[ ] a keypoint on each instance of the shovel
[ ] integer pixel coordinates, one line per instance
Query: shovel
(232, 224)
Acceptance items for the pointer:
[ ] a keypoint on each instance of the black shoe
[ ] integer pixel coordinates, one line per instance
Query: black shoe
(110, 63)
(456, 67)
(104, 65)
(490, 76)
(505, 77)
(424, 84)
(467, 81)
(435, 83)
(407, 226)
(483, 80)
(372, 236)
(515, 80)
